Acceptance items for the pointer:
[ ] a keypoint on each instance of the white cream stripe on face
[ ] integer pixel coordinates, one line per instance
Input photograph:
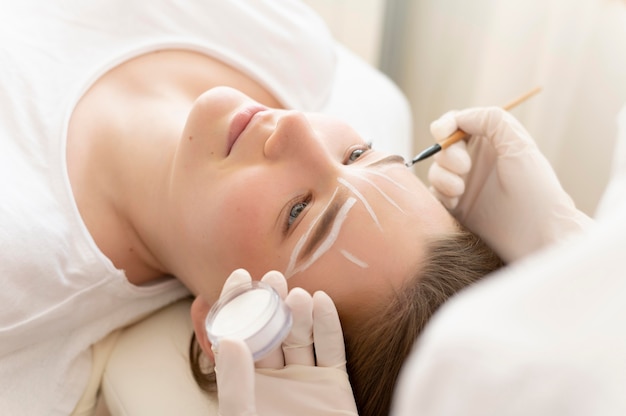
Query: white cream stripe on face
(326, 244)
(332, 236)
(296, 250)
(391, 201)
(363, 200)
(354, 259)
(382, 175)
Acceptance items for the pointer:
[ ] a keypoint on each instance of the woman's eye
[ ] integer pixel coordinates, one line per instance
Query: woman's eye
(357, 153)
(296, 210)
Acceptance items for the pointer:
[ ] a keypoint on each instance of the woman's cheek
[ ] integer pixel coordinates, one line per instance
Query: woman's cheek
(244, 236)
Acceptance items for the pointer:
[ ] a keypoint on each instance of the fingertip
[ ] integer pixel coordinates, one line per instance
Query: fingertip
(322, 298)
(276, 280)
(298, 345)
(240, 274)
(232, 352)
(324, 307)
(298, 295)
(449, 202)
(237, 277)
(444, 126)
(300, 304)
(237, 346)
(327, 333)
(234, 370)
(457, 156)
(476, 120)
(445, 182)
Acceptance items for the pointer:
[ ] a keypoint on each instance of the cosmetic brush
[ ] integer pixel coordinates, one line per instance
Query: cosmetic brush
(460, 134)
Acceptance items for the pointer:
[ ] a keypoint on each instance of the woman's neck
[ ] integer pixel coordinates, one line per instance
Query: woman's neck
(120, 143)
(121, 140)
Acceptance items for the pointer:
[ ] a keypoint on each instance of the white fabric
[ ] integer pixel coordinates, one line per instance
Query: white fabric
(543, 338)
(148, 370)
(371, 103)
(461, 54)
(60, 294)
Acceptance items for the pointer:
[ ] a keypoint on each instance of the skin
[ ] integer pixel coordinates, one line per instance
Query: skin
(280, 156)
(161, 202)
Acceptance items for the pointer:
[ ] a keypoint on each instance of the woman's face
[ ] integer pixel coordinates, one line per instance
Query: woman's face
(265, 189)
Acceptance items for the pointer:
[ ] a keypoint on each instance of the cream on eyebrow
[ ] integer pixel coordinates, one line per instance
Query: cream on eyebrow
(363, 200)
(354, 259)
(388, 161)
(324, 223)
(298, 247)
(326, 244)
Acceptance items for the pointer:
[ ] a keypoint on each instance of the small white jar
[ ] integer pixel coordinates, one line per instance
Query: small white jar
(252, 312)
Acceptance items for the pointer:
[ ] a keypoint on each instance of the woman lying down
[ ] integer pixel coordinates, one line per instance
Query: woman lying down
(149, 152)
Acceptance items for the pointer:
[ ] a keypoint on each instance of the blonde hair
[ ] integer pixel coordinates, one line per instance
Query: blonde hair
(377, 345)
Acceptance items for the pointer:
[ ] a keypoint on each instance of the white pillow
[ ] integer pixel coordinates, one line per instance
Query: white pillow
(148, 370)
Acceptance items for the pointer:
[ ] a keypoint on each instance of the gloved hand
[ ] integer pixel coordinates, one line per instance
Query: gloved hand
(305, 376)
(499, 185)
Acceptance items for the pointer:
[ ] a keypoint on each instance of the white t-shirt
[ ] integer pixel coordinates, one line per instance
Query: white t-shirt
(59, 292)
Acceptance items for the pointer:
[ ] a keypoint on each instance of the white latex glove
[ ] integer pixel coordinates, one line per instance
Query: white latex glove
(499, 185)
(306, 376)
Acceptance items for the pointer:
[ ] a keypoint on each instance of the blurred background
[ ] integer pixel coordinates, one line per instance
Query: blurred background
(452, 54)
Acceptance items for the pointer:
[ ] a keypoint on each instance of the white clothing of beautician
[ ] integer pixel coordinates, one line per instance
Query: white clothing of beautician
(546, 335)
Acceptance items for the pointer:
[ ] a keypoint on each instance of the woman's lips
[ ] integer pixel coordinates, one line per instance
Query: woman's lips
(238, 124)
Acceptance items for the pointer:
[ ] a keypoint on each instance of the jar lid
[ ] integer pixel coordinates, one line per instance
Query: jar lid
(252, 312)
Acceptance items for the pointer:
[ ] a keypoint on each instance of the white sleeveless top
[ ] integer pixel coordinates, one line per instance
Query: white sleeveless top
(59, 294)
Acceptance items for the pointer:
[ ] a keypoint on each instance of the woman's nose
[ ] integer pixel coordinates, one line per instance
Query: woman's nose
(295, 139)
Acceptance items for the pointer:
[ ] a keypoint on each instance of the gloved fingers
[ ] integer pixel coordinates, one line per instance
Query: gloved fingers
(503, 130)
(234, 371)
(275, 358)
(327, 334)
(298, 346)
(277, 281)
(449, 202)
(445, 182)
(236, 278)
(444, 126)
(455, 158)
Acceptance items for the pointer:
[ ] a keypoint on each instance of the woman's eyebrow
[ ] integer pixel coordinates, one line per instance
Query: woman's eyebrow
(323, 226)
(386, 161)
